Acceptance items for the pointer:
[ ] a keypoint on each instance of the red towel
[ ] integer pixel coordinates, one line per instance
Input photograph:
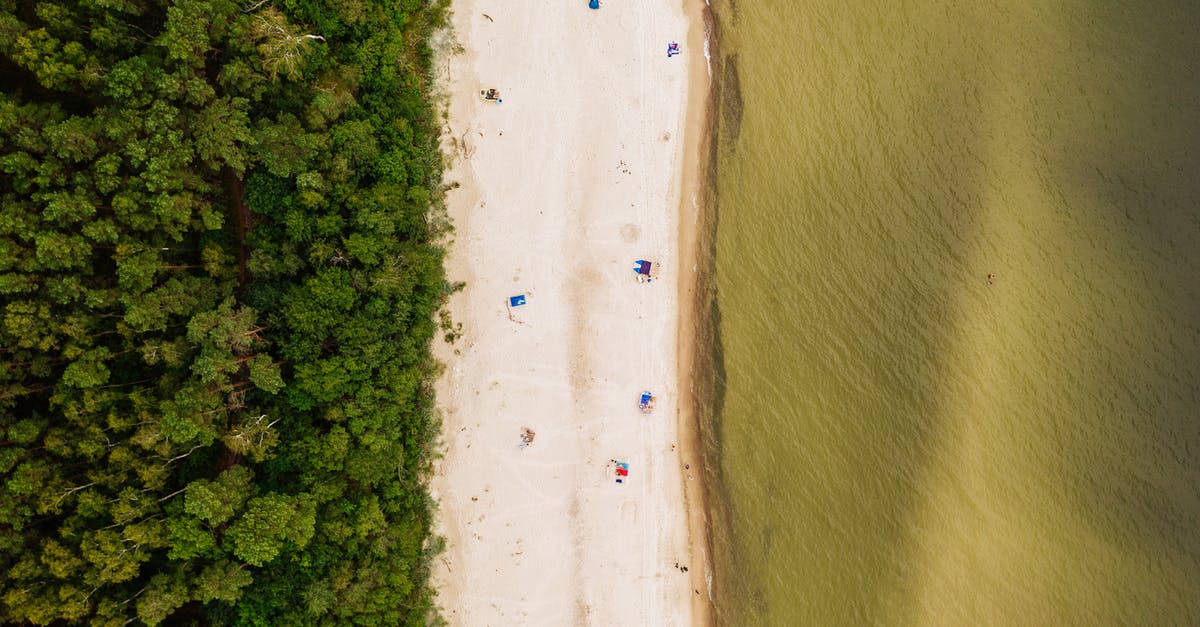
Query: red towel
(622, 472)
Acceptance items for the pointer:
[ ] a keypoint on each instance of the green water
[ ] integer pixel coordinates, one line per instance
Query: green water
(899, 442)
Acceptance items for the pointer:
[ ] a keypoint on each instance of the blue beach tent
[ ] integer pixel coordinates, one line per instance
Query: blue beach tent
(593, 4)
(646, 402)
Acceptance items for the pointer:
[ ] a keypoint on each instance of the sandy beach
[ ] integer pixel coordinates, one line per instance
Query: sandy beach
(560, 188)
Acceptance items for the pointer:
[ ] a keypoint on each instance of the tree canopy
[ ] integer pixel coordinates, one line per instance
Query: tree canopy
(218, 279)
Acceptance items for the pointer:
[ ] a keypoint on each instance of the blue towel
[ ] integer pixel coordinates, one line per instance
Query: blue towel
(516, 301)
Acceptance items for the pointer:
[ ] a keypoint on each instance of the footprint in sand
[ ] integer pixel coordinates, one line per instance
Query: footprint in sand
(629, 513)
(630, 233)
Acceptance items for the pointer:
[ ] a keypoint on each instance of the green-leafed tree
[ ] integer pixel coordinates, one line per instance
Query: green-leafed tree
(217, 287)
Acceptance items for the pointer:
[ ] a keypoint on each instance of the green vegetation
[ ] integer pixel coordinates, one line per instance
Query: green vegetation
(218, 286)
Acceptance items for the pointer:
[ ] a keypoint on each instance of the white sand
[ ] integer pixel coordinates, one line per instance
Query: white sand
(563, 185)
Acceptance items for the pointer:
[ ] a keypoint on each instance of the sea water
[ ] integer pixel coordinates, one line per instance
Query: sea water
(901, 439)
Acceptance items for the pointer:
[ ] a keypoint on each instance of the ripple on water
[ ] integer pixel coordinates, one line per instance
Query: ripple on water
(900, 441)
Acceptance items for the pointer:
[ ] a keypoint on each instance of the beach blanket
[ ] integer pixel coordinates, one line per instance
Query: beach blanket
(516, 301)
(622, 471)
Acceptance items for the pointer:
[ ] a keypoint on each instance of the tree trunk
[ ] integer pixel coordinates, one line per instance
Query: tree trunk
(242, 223)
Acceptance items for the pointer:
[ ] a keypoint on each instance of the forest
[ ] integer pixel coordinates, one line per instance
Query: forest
(219, 273)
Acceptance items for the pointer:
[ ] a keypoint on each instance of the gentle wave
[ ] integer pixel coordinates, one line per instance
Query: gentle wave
(960, 324)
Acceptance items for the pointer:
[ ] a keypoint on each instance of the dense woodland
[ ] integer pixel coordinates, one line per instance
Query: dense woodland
(218, 282)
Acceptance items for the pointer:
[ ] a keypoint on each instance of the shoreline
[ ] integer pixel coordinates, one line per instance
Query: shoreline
(530, 533)
(693, 229)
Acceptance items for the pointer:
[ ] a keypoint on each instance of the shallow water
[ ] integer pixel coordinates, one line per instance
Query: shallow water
(901, 442)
